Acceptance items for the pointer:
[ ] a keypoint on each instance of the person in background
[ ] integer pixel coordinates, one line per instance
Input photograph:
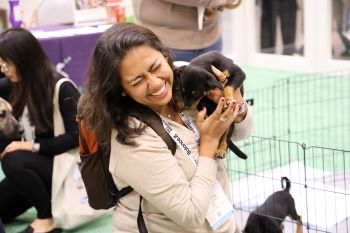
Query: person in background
(176, 24)
(2, 230)
(340, 10)
(286, 11)
(131, 67)
(27, 162)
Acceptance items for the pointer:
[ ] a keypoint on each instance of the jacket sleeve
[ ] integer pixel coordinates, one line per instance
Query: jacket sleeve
(153, 172)
(244, 128)
(68, 99)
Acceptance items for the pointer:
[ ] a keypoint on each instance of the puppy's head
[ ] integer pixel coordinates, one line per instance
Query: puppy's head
(9, 126)
(193, 81)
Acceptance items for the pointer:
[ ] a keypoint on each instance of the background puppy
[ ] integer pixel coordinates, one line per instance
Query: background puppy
(268, 217)
(9, 126)
(192, 83)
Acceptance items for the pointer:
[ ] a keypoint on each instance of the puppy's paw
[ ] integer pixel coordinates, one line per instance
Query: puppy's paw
(220, 154)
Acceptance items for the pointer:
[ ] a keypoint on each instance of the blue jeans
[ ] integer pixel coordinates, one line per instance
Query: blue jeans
(188, 55)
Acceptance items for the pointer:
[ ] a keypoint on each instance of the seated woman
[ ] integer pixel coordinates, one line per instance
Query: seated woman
(27, 162)
(130, 66)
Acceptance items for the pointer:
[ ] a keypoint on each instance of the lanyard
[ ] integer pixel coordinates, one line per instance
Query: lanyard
(179, 141)
(191, 127)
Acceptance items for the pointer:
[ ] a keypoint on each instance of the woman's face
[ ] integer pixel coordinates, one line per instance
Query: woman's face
(9, 69)
(147, 77)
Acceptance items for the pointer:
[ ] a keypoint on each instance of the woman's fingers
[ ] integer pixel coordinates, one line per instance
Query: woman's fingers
(219, 75)
(215, 93)
(201, 116)
(231, 112)
(218, 110)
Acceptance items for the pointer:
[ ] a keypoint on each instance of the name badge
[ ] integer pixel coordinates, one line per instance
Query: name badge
(220, 209)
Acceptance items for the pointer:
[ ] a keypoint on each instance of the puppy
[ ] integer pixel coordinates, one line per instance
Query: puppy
(268, 217)
(193, 82)
(9, 126)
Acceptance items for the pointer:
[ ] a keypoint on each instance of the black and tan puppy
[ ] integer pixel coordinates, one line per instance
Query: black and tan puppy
(268, 217)
(9, 126)
(193, 82)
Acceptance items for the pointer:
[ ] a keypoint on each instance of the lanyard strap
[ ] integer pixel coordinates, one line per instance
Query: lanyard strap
(191, 127)
(183, 146)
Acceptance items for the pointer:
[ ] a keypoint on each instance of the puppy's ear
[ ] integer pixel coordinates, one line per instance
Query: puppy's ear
(178, 71)
(213, 82)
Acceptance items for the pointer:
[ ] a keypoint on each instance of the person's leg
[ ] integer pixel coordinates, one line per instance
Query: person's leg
(288, 16)
(12, 204)
(31, 174)
(188, 55)
(183, 55)
(217, 46)
(338, 15)
(2, 229)
(268, 26)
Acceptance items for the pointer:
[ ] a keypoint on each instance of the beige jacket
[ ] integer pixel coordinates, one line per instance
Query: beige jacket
(176, 194)
(175, 22)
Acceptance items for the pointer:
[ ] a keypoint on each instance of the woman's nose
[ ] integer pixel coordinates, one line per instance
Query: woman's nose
(154, 81)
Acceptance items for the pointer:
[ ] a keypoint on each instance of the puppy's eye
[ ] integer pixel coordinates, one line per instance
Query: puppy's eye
(2, 114)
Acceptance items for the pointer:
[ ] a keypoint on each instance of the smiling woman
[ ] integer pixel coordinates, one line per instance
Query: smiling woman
(130, 66)
(147, 77)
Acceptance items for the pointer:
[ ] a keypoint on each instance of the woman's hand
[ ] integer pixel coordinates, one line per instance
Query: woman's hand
(212, 128)
(17, 145)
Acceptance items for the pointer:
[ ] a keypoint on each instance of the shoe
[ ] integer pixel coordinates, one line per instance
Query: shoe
(30, 229)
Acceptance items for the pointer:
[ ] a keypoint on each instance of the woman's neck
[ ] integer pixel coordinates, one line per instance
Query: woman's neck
(169, 112)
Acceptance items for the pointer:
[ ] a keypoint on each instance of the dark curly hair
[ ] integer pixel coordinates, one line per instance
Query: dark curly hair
(103, 107)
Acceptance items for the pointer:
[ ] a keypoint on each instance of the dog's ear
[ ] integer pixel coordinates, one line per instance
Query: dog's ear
(178, 71)
(213, 82)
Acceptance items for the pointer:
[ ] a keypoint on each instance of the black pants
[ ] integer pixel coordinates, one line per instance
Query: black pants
(286, 10)
(2, 230)
(27, 184)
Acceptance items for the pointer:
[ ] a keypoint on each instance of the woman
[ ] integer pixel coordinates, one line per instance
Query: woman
(27, 163)
(131, 66)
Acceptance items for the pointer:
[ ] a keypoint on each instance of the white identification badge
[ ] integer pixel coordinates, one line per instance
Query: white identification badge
(220, 209)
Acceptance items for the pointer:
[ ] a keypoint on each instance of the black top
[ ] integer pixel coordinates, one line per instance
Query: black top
(68, 99)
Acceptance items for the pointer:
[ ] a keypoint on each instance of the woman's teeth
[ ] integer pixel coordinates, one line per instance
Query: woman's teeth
(159, 92)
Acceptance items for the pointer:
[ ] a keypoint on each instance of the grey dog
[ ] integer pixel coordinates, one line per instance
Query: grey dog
(9, 126)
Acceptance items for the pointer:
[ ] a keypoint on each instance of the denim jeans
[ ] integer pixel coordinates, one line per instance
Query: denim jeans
(188, 55)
